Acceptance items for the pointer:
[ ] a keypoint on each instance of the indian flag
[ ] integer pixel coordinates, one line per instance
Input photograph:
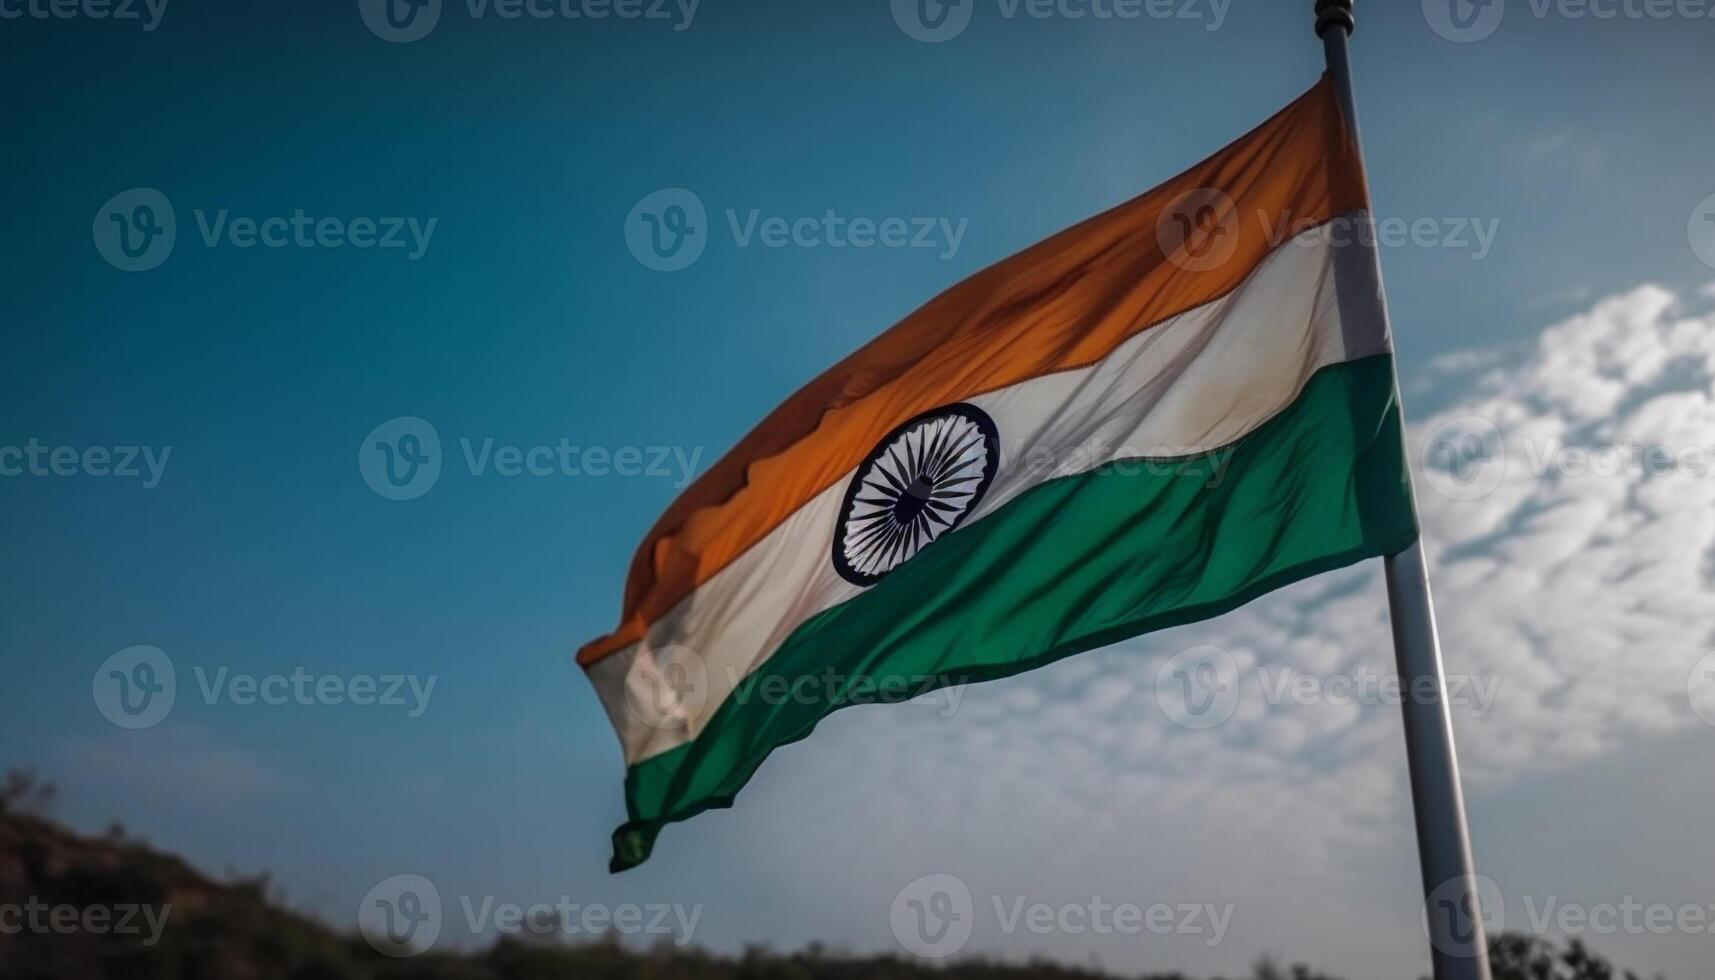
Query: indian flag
(1146, 420)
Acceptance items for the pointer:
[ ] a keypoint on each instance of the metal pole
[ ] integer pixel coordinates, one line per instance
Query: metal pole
(1458, 944)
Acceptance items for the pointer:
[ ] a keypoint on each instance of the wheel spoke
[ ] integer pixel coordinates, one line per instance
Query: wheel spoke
(935, 471)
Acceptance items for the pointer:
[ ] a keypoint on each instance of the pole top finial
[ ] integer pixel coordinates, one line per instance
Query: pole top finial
(1334, 13)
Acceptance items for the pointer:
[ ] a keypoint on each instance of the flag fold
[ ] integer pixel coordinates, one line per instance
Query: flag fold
(1146, 420)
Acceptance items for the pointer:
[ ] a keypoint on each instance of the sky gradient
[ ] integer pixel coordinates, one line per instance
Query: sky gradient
(524, 319)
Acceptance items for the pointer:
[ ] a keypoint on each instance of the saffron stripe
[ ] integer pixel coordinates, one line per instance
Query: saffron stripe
(1064, 303)
(1069, 565)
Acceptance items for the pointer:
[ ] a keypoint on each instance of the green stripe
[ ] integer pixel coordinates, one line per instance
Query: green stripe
(1069, 565)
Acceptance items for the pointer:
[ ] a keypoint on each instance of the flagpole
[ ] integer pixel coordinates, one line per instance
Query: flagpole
(1452, 908)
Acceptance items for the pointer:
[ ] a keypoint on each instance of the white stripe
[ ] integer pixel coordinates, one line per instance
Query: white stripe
(1194, 383)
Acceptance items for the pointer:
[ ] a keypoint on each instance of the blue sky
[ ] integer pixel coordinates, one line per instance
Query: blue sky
(526, 320)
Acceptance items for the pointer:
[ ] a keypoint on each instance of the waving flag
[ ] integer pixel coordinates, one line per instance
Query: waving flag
(1146, 420)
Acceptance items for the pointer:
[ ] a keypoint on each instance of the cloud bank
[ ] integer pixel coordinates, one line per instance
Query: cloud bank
(1568, 502)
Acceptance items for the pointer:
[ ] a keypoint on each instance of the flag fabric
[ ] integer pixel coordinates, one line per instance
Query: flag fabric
(1146, 420)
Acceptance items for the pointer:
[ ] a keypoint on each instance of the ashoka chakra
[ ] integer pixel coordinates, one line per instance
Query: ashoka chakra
(923, 479)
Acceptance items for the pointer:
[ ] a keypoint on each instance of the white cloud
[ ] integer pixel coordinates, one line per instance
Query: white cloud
(1565, 146)
(1586, 596)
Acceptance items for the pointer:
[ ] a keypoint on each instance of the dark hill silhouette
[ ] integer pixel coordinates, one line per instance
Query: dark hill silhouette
(232, 930)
